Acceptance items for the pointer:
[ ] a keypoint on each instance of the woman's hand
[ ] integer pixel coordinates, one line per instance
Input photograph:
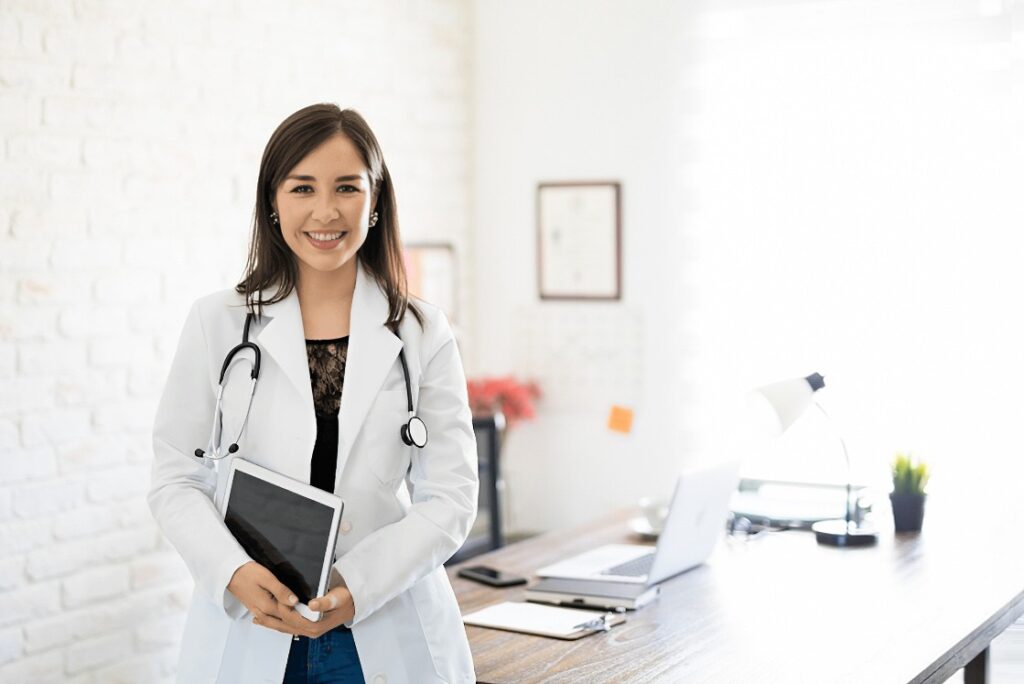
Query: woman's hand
(260, 591)
(336, 606)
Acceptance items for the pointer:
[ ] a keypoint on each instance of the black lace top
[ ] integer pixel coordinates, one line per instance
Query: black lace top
(327, 374)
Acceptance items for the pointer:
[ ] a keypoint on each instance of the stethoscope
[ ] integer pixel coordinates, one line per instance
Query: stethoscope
(413, 432)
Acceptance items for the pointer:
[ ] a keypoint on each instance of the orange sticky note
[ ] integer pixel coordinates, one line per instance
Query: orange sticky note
(620, 419)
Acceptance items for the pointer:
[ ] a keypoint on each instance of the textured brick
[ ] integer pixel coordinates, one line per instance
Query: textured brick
(28, 75)
(50, 151)
(119, 484)
(143, 669)
(84, 522)
(52, 357)
(22, 323)
(29, 464)
(86, 387)
(47, 498)
(11, 644)
(91, 453)
(55, 427)
(90, 653)
(12, 572)
(36, 600)
(130, 415)
(47, 221)
(85, 254)
(8, 356)
(27, 255)
(19, 111)
(128, 288)
(96, 584)
(158, 569)
(92, 321)
(45, 668)
(19, 536)
(59, 288)
(133, 351)
(63, 559)
(95, 46)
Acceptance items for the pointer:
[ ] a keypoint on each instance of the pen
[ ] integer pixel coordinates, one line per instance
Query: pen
(600, 624)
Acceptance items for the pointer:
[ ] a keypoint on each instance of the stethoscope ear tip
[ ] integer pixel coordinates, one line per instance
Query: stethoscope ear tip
(233, 448)
(199, 453)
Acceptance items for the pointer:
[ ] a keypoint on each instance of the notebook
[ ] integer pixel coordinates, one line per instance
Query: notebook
(543, 620)
(591, 594)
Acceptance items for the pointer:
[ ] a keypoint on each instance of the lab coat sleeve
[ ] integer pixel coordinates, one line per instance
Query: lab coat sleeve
(182, 487)
(444, 491)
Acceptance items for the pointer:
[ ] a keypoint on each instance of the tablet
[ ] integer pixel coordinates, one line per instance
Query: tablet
(287, 526)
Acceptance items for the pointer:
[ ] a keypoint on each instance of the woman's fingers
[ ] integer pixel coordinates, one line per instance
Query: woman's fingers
(300, 625)
(276, 623)
(324, 603)
(278, 590)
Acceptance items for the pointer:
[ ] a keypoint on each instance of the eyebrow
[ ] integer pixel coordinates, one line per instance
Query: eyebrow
(336, 180)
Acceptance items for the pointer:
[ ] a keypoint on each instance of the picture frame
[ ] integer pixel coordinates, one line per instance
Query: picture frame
(579, 240)
(433, 275)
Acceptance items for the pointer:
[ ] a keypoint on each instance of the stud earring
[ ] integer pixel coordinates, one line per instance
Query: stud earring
(373, 219)
(273, 217)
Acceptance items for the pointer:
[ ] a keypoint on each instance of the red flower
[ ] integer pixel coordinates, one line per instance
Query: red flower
(506, 394)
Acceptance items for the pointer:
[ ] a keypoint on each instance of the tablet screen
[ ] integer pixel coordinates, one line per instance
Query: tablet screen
(281, 530)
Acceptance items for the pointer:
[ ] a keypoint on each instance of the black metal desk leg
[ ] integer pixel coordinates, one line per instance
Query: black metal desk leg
(976, 671)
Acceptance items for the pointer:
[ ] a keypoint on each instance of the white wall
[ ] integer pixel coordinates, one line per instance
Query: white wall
(131, 139)
(581, 90)
(857, 176)
(829, 186)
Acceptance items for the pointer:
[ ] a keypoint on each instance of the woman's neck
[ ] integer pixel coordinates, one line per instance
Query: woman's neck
(317, 288)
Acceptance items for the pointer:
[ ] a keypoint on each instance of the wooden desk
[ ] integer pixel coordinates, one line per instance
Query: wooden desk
(914, 608)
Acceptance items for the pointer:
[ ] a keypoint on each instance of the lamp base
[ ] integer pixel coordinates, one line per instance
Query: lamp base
(839, 533)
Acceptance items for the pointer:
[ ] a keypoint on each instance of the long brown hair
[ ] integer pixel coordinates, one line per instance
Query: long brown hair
(271, 263)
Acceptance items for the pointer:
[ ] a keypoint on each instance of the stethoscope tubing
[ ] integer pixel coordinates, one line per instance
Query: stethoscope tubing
(413, 432)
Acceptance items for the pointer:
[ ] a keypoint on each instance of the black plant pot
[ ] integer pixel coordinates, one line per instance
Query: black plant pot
(908, 511)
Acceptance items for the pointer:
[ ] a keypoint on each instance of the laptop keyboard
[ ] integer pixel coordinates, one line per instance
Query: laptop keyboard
(638, 567)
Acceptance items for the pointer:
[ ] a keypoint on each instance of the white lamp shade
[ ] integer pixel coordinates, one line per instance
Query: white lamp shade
(789, 399)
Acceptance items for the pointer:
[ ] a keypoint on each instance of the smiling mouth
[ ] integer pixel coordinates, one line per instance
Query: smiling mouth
(325, 236)
(326, 240)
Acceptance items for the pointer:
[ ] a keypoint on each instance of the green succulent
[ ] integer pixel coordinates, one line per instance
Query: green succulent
(908, 476)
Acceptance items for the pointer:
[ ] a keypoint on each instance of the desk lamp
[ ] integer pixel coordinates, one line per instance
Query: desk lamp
(790, 399)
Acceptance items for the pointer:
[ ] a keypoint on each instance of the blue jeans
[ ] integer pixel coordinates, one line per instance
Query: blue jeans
(330, 659)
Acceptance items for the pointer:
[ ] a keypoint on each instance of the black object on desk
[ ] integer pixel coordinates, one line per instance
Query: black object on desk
(486, 534)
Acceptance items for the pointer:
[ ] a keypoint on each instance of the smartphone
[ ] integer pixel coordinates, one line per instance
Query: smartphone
(495, 578)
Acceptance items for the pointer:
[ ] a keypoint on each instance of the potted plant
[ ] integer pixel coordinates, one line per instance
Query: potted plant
(909, 478)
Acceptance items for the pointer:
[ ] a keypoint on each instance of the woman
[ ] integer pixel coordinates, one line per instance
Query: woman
(326, 285)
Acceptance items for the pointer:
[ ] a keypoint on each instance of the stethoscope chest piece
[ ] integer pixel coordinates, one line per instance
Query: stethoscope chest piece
(414, 433)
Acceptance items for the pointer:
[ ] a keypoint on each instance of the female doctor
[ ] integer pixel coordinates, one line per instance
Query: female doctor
(334, 325)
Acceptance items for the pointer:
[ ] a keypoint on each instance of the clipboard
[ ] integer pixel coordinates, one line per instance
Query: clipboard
(543, 620)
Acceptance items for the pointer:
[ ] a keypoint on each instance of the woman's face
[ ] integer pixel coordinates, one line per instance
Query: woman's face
(324, 206)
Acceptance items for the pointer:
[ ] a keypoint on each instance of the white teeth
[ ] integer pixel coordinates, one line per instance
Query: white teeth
(322, 237)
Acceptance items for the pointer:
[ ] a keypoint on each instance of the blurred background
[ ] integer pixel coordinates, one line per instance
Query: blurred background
(806, 185)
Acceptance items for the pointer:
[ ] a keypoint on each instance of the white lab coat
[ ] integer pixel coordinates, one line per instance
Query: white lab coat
(406, 509)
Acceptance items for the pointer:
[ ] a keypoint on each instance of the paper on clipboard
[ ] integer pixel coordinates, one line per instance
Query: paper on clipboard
(543, 620)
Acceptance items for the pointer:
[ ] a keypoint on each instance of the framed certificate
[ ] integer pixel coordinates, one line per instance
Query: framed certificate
(432, 271)
(579, 239)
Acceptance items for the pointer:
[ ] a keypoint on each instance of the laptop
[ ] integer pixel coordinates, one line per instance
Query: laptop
(695, 522)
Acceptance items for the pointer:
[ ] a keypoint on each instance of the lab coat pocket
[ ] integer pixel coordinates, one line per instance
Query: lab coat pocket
(441, 621)
(381, 436)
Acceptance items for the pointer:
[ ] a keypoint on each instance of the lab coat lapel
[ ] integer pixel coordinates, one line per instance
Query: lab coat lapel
(372, 350)
(283, 341)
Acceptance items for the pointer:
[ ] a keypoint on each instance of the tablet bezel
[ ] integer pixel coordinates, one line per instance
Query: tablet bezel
(335, 502)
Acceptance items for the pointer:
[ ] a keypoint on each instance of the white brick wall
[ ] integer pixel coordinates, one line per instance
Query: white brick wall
(130, 139)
